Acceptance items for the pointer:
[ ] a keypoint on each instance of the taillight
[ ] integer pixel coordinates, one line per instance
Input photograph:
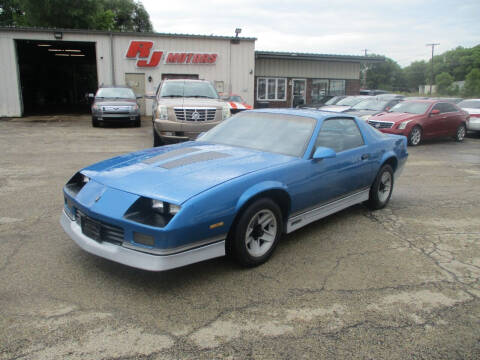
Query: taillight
(475, 115)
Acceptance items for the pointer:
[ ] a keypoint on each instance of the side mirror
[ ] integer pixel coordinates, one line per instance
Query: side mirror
(139, 96)
(435, 112)
(324, 153)
(91, 95)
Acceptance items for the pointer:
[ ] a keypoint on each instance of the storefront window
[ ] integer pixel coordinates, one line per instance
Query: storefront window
(337, 87)
(261, 89)
(319, 89)
(272, 89)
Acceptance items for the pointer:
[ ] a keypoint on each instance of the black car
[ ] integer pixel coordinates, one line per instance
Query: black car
(115, 104)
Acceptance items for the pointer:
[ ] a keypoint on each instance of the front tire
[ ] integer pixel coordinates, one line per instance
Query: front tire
(95, 123)
(381, 189)
(415, 136)
(461, 132)
(138, 122)
(257, 232)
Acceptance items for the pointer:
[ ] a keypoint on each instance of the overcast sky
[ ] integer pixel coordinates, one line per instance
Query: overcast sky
(398, 29)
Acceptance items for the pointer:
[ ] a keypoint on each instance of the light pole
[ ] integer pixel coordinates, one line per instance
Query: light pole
(431, 78)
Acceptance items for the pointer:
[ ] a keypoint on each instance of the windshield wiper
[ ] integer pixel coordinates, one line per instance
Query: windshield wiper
(171, 96)
(200, 96)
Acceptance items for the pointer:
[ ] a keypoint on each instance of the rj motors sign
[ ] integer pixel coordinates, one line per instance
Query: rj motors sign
(141, 51)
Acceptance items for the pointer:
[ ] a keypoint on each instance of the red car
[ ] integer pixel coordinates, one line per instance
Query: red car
(422, 119)
(236, 103)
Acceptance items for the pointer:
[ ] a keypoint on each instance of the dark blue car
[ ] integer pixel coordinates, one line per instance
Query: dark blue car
(234, 191)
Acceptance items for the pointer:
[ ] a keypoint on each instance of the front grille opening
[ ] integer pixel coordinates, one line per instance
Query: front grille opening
(99, 230)
(76, 183)
(195, 114)
(380, 124)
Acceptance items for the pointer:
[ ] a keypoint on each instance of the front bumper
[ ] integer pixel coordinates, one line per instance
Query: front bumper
(139, 259)
(473, 124)
(116, 117)
(394, 131)
(181, 131)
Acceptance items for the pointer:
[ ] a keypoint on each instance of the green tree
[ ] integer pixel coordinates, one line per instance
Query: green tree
(386, 75)
(120, 15)
(415, 74)
(444, 83)
(11, 13)
(472, 84)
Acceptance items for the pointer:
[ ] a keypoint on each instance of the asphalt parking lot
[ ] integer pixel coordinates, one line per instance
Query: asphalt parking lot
(399, 283)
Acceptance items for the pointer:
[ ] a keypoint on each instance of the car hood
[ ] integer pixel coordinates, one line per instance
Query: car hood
(471, 110)
(360, 113)
(395, 117)
(119, 102)
(337, 108)
(189, 101)
(176, 173)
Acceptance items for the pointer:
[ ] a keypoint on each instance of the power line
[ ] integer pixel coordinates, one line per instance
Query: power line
(431, 78)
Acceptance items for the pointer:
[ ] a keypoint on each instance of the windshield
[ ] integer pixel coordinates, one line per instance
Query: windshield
(235, 98)
(200, 89)
(375, 105)
(472, 104)
(123, 93)
(410, 107)
(333, 100)
(350, 101)
(277, 133)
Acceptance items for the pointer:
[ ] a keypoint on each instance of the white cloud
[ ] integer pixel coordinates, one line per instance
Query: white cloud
(396, 28)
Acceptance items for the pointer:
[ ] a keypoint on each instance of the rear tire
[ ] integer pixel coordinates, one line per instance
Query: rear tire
(157, 141)
(461, 132)
(381, 189)
(256, 233)
(415, 136)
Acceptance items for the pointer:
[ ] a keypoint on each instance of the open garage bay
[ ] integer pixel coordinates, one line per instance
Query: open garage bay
(402, 282)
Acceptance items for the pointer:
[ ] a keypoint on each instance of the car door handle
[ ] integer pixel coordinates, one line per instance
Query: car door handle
(364, 157)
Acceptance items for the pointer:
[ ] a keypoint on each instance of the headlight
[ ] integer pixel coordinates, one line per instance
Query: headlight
(366, 117)
(151, 212)
(76, 183)
(134, 108)
(226, 112)
(403, 125)
(165, 208)
(162, 112)
(96, 108)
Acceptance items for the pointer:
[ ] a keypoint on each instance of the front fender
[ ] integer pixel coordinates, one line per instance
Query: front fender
(257, 189)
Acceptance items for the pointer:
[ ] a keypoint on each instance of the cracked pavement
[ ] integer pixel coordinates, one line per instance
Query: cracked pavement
(399, 283)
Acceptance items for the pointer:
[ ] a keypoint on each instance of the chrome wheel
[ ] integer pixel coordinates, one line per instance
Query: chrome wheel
(385, 186)
(461, 133)
(261, 233)
(415, 136)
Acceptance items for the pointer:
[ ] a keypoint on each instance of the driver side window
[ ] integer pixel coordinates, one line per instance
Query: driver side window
(339, 135)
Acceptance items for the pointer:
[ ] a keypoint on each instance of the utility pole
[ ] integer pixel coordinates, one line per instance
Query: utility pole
(431, 78)
(365, 69)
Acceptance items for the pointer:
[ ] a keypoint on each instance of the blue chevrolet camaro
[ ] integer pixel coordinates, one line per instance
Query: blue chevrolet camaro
(234, 191)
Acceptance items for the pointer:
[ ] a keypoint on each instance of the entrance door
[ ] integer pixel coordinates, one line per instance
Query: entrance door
(137, 83)
(298, 92)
